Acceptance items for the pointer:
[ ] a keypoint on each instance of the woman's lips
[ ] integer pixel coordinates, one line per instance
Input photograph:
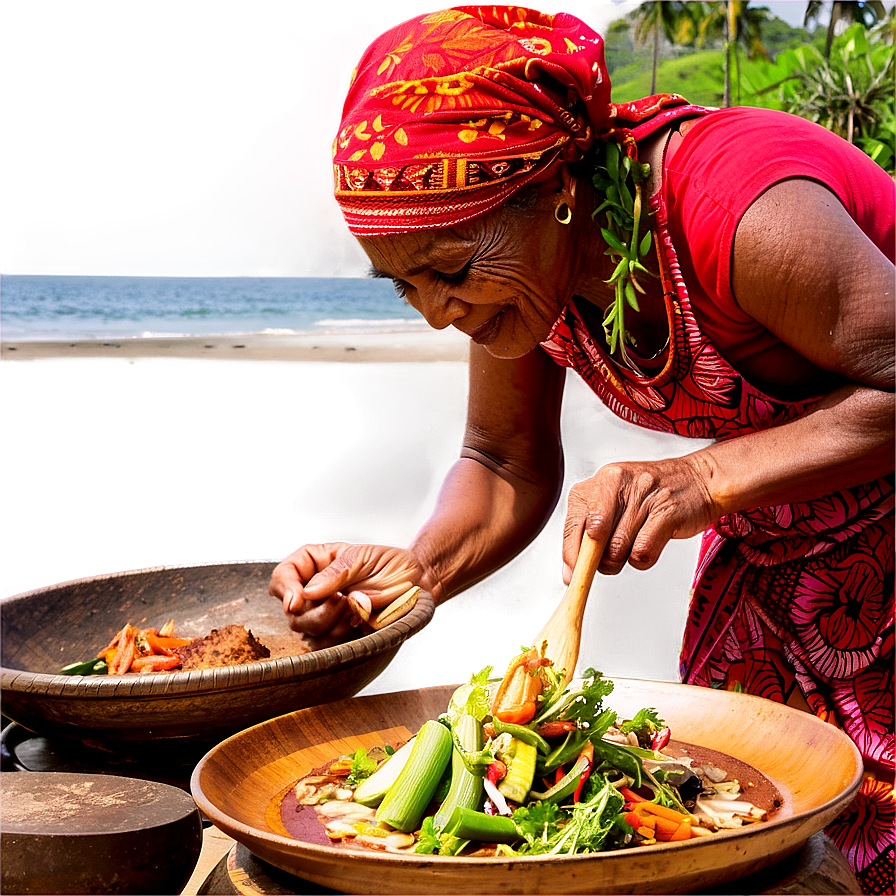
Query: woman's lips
(487, 333)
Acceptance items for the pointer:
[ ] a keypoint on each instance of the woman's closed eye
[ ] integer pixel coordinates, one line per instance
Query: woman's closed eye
(456, 276)
(399, 286)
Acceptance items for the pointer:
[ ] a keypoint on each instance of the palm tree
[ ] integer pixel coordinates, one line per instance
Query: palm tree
(658, 19)
(739, 25)
(867, 13)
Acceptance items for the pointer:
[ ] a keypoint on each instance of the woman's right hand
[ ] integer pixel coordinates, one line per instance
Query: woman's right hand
(323, 585)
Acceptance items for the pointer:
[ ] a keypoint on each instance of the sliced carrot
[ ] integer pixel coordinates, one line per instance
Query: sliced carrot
(631, 796)
(683, 832)
(171, 643)
(155, 663)
(672, 830)
(162, 645)
(651, 808)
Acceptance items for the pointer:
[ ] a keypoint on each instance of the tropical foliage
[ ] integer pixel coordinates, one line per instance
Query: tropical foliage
(724, 53)
(850, 93)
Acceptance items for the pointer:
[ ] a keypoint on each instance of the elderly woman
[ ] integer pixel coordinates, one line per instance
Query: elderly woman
(720, 274)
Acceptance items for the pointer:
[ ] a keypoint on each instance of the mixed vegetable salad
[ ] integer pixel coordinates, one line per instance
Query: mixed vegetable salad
(526, 766)
(133, 649)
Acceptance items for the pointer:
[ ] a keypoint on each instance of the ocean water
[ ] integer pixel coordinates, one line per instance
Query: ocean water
(63, 308)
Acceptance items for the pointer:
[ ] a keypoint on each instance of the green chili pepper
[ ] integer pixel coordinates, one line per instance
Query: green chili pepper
(526, 735)
(87, 667)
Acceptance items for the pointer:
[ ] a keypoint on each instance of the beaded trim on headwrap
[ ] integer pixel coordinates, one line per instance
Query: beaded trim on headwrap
(451, 113)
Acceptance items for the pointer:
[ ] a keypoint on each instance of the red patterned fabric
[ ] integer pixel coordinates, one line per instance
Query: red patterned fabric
(793, 603)
(449, 114)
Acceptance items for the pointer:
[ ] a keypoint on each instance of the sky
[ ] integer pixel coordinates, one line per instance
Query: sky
(187, 137)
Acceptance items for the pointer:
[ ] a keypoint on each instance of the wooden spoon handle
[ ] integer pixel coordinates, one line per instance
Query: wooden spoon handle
(563, 631)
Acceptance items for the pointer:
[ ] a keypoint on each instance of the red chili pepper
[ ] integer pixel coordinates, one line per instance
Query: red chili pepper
(559, 775)
(496, 771)
(556, 729)
(588, 753)
(660, 739)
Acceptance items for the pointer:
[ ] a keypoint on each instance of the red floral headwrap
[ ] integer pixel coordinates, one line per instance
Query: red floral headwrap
(451, 113)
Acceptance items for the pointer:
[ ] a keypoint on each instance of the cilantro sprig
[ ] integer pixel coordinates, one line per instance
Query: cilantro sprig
(363, 766)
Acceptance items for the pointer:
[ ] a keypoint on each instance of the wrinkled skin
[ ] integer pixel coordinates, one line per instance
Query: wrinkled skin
(801, 268)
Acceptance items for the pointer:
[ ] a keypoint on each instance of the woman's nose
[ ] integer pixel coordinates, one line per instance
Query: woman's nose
(440, 308)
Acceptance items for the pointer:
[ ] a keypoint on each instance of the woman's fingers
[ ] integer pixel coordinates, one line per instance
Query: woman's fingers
(327, 589)
(633, 510)
(292, 574)
(317, 618)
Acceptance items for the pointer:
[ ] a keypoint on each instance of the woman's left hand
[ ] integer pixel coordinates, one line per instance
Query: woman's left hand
(633, 509)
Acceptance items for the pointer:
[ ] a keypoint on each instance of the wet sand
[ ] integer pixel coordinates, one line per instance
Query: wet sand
(139, 453)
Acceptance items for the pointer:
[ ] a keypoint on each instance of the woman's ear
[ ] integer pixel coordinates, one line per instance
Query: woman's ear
(567, 185)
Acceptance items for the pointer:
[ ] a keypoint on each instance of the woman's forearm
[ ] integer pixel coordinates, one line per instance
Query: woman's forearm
(845, 441)
(482, 519)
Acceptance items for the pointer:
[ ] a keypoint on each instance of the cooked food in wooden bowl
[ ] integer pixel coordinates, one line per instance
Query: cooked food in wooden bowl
(196, 701)
(247, 786)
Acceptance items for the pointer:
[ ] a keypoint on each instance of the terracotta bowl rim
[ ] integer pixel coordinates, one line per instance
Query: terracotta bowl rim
(171, 684)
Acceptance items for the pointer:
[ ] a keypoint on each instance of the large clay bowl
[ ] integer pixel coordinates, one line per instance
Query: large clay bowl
(817, 769)
(45, 629)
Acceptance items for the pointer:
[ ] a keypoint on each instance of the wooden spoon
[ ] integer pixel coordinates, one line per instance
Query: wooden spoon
(563, 630)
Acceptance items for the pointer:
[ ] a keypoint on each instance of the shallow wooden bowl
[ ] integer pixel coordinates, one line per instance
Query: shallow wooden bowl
(817, 769)
(45, 629)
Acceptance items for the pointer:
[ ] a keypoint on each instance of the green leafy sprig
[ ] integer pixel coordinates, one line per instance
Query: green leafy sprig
(620, 181)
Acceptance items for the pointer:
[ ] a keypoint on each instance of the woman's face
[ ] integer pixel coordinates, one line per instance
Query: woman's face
(502, 279)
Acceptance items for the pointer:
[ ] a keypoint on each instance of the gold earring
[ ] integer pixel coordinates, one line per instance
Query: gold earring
(563, 213)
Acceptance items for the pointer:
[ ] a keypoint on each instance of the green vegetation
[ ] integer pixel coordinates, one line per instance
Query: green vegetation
(732, 53)
(851, 93)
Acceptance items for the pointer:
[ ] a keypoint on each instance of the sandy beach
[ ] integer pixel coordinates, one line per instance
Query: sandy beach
(137, 453)
(412, 345)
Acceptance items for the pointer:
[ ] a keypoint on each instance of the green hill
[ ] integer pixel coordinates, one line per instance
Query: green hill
(699, 76)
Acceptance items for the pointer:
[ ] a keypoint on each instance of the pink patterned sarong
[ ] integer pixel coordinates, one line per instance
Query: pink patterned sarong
(793, 603)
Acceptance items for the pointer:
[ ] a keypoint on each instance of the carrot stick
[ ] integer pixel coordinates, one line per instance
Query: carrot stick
(163, 645)
(154, 663)
(665, 829)
(650, 808)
